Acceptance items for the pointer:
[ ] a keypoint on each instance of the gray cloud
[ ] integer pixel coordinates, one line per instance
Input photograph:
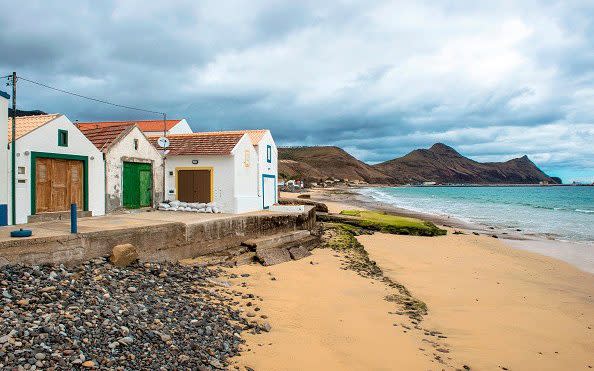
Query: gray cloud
(379, 78)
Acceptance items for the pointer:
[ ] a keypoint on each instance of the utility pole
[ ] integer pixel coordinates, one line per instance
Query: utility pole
(164, 156)
(12, 149)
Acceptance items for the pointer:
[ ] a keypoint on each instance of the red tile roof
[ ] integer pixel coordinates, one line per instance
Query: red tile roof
(200, 144)
(103, 136)
(26, 124)
(255, 135)
(144, 125)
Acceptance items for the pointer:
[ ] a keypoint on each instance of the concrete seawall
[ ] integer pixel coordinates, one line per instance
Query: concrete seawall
(157, 239)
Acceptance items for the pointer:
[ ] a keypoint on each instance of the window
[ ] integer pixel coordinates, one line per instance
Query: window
(63, 138)
(268, 153)
(136, 144)
(21, 170)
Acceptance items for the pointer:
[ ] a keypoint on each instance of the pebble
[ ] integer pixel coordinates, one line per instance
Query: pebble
(87, 318)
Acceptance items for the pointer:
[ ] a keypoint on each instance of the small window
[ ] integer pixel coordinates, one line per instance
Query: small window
(63, 138)
(268, 153)
(21, 170)
(136, 144)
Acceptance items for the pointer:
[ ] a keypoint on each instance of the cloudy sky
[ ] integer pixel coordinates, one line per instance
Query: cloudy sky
(494, 79)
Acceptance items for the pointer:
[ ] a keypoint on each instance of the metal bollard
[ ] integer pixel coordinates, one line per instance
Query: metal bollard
(73, 219)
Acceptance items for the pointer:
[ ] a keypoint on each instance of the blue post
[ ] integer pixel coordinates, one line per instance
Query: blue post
(73, 219)
(3, 214)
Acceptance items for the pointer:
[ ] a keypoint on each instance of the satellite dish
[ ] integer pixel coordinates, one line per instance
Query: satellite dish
(163, 142)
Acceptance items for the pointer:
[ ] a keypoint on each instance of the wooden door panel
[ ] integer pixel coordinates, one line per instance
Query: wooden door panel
(42, 185)
(58, 183)
(202, 186)
(185, 185)
(193, 185)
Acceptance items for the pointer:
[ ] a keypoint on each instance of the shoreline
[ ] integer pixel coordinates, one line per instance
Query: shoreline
(489, 307)
(572, 252)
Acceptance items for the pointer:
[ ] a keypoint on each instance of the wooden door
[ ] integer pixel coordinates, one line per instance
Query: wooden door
(58, 183)
(193, 185)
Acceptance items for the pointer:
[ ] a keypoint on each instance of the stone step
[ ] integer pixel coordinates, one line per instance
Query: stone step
(276, 240)
(56, 215)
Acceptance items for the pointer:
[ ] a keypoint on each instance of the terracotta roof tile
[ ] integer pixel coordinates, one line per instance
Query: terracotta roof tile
(26, 124)
(144, 125)
(255, 135)
(103, 136)
(200, 144)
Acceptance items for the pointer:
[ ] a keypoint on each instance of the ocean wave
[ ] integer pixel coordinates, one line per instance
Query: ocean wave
(584, 211)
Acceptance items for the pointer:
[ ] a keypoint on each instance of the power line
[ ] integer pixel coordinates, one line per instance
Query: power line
(89, 98)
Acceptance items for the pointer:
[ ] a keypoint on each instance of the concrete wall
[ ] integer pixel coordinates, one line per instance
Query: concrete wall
(45, 139)
(169, 241)
(123, 151)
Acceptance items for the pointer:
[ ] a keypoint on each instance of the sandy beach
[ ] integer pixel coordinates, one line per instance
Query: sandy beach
(490, 307)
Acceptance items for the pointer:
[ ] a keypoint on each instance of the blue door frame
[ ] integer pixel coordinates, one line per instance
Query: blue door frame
(275, 193)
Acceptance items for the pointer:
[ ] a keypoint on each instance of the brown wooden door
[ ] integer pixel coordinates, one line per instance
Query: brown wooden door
(58, 183)
(193, 185)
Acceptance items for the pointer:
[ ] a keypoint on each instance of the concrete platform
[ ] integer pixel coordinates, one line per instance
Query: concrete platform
(158, 235)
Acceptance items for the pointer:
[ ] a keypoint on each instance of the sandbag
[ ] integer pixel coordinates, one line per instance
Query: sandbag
(174, 203)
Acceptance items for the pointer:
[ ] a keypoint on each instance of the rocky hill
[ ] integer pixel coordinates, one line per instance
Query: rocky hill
(443, 164)
(440, 163)
(315, 163)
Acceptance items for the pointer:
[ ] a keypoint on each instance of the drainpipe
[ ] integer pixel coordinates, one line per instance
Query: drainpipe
(105, 194)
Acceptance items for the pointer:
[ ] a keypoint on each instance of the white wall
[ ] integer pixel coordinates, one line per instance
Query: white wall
(265, 167)
(181, 127)
(123, 151)
(223, 190)
(45, 139)
(4, 153)
(246, 176)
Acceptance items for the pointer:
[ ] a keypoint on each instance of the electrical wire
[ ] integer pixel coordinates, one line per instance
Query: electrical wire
(89, 98)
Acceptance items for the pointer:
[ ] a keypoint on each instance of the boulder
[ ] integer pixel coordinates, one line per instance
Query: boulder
(272, 256)
(299, 252)
(123, 255)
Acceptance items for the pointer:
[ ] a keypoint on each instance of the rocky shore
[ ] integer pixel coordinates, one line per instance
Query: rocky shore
(96, 315)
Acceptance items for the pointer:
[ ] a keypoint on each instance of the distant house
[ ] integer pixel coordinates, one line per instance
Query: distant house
(267, 163)
(56, 165)
(133, 166)
(148, 127)
(213, 167)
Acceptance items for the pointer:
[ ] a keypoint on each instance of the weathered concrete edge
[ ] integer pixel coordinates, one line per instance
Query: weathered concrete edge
(169, 241)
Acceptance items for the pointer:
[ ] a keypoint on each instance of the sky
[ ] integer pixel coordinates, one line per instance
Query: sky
(493, 79)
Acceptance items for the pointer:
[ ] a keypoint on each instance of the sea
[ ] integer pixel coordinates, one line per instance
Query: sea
(564, 213)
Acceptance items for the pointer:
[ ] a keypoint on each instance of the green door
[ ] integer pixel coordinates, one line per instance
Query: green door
(137, 184)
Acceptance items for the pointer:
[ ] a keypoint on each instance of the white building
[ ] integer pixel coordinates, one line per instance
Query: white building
(148, 127)
(133, 167)
(4, 159)
(56, 165)
(267, 152)
(213, 167)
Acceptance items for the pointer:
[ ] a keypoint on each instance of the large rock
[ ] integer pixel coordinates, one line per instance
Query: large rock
(123, 255)
(272, 256)
(299, 252)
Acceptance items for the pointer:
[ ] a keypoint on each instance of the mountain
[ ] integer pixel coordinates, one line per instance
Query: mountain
(25, 113)
(443, 164)
(315, 163)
